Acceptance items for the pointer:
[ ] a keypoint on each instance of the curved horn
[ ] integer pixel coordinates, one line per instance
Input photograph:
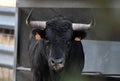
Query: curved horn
(80, 26)
(40, 24)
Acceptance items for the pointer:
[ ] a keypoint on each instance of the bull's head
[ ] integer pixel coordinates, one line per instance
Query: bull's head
(58, 34)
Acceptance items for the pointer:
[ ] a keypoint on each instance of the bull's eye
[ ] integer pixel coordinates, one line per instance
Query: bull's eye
(52, 62)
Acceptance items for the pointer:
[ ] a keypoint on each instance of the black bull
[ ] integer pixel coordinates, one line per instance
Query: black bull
(57, 54)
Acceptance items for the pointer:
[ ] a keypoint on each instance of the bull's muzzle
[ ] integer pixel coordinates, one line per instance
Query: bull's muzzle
(56, 64)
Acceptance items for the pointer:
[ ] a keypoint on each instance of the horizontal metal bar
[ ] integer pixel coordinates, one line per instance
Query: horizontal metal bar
(5, 48)
(7, 26)
(6, 66)
(3, 21)
(23, 69)
(99, 73)
(111, 75)
(84, 73)
(66, 4)
(7, 9)
(54, 4)
(91, 73)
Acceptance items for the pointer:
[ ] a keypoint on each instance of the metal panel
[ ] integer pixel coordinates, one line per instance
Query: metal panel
(7, 10)
(6, 60)
(102, 56)
(7, 17)
(68, 3)
(6, 47)
(17, 15)
(54, 3)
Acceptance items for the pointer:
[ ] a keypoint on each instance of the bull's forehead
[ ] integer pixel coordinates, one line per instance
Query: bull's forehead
(59, 24)
(59, 29)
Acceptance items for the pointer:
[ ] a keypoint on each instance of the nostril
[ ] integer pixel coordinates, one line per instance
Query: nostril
(61, 62)
(53, 62)
(56, 61)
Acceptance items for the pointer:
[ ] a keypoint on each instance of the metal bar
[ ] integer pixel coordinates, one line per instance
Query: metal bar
(16, 43)
(91, 73)
(112, 75)
(7, 9)
(7, 66)
(55, 4)
(7, 26)
(9, 49)
(99, 73)
(23, 69)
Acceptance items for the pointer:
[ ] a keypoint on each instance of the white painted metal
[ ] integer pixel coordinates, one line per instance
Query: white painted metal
(7, 17)
(7, 21)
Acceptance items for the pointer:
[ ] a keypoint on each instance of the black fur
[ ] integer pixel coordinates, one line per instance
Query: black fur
(59, 38)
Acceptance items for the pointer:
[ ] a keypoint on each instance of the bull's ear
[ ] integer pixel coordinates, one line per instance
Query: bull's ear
(37, 36)
(79, 35)
(77, 39)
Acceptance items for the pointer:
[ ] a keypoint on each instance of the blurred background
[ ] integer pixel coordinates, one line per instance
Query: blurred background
(7, 24)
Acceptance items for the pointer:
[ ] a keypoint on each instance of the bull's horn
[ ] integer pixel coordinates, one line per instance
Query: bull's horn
(80, 26)
(39, 24)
